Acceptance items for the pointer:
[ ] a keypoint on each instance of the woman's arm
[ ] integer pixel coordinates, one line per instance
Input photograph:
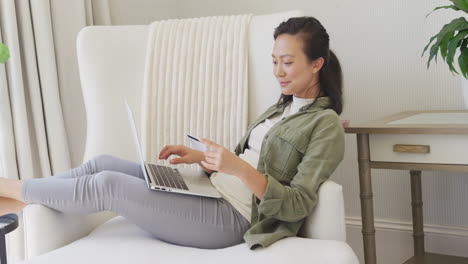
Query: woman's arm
(186, 155)
(218, 158)
(297, 199)
(254, 180)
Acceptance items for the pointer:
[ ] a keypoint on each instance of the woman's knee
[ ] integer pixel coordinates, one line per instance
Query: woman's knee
(100, 163)
(114, 191)
(97, 191)
(106, 178)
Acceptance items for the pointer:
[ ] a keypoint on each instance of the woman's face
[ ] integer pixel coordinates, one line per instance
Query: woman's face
(296, 75)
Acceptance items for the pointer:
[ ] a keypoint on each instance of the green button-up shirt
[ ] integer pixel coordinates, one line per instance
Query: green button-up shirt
(297, 155)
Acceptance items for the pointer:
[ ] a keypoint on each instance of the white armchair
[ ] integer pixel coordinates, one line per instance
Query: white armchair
(111, 61)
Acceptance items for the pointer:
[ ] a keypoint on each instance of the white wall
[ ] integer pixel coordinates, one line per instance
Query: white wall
(380, 46)
(139, 12)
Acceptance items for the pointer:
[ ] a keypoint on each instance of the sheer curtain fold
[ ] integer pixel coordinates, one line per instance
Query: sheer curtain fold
(56, 138)
(33, 91)
(15, 133)
(33, 127)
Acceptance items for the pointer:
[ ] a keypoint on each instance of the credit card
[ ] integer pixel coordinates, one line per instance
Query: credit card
(196, 144)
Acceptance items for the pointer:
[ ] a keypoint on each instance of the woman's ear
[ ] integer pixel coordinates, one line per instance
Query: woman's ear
(317, 64)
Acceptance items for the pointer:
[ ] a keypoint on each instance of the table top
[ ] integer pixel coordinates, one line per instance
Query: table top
(8, 223)
(416, 122)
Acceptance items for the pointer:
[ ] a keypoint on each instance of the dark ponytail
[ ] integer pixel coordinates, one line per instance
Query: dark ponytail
(316, 45)
(331, 82)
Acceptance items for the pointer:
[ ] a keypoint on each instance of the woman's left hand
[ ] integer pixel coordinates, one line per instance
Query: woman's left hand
(220, 159)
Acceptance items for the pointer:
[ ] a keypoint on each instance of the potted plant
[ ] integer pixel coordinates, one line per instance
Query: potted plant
(4, 53)
(452, 37)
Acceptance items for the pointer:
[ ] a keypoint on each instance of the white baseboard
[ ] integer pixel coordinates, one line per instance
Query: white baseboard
(394, 240)
(386, 224)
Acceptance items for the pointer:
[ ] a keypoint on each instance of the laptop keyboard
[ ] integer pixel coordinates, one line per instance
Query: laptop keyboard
(166, 176)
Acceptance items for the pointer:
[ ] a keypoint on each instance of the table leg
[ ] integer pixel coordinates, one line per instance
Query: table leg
(3, 256)
(417, 210)
(367, 206)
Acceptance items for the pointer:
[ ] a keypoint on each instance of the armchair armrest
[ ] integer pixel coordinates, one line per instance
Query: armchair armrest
(46, 229)
(327, 221)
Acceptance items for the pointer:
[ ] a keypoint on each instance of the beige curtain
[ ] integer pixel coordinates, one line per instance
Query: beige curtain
(41, 36)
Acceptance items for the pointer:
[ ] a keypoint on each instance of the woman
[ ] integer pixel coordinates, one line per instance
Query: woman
(268, 186)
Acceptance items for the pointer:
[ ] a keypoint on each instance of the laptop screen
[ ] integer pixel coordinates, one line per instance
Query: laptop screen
(136, 141)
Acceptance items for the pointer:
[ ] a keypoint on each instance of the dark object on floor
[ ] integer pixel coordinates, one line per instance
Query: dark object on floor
(8, 223)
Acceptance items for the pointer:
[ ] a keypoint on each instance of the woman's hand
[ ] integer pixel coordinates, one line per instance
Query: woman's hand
(186, 154)
(218, 158)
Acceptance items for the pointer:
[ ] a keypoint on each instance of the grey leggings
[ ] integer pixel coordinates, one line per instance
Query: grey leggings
(107, 183)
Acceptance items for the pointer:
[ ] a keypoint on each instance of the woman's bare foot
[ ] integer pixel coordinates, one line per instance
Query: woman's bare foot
(11, 189)
(10, 206)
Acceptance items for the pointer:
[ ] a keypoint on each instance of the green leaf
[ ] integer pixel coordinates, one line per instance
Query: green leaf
(443, 45)
(427, 46)
(461, 4)
(463, 59)
(444, 7)
(457, 24)
(453, 44)
(4, 53)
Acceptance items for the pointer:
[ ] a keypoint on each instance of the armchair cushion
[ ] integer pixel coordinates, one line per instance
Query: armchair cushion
(119, 241)
(47, 229)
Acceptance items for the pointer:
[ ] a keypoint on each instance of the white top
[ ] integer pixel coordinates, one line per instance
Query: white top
(231, 187)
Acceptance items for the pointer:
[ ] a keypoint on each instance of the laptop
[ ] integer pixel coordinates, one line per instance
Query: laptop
(169, 179)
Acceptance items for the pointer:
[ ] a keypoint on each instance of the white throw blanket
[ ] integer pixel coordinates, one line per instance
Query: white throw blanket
(195, 82)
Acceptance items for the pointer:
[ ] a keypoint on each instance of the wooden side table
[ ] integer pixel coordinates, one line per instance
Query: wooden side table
(8, 223)
(414, 141)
